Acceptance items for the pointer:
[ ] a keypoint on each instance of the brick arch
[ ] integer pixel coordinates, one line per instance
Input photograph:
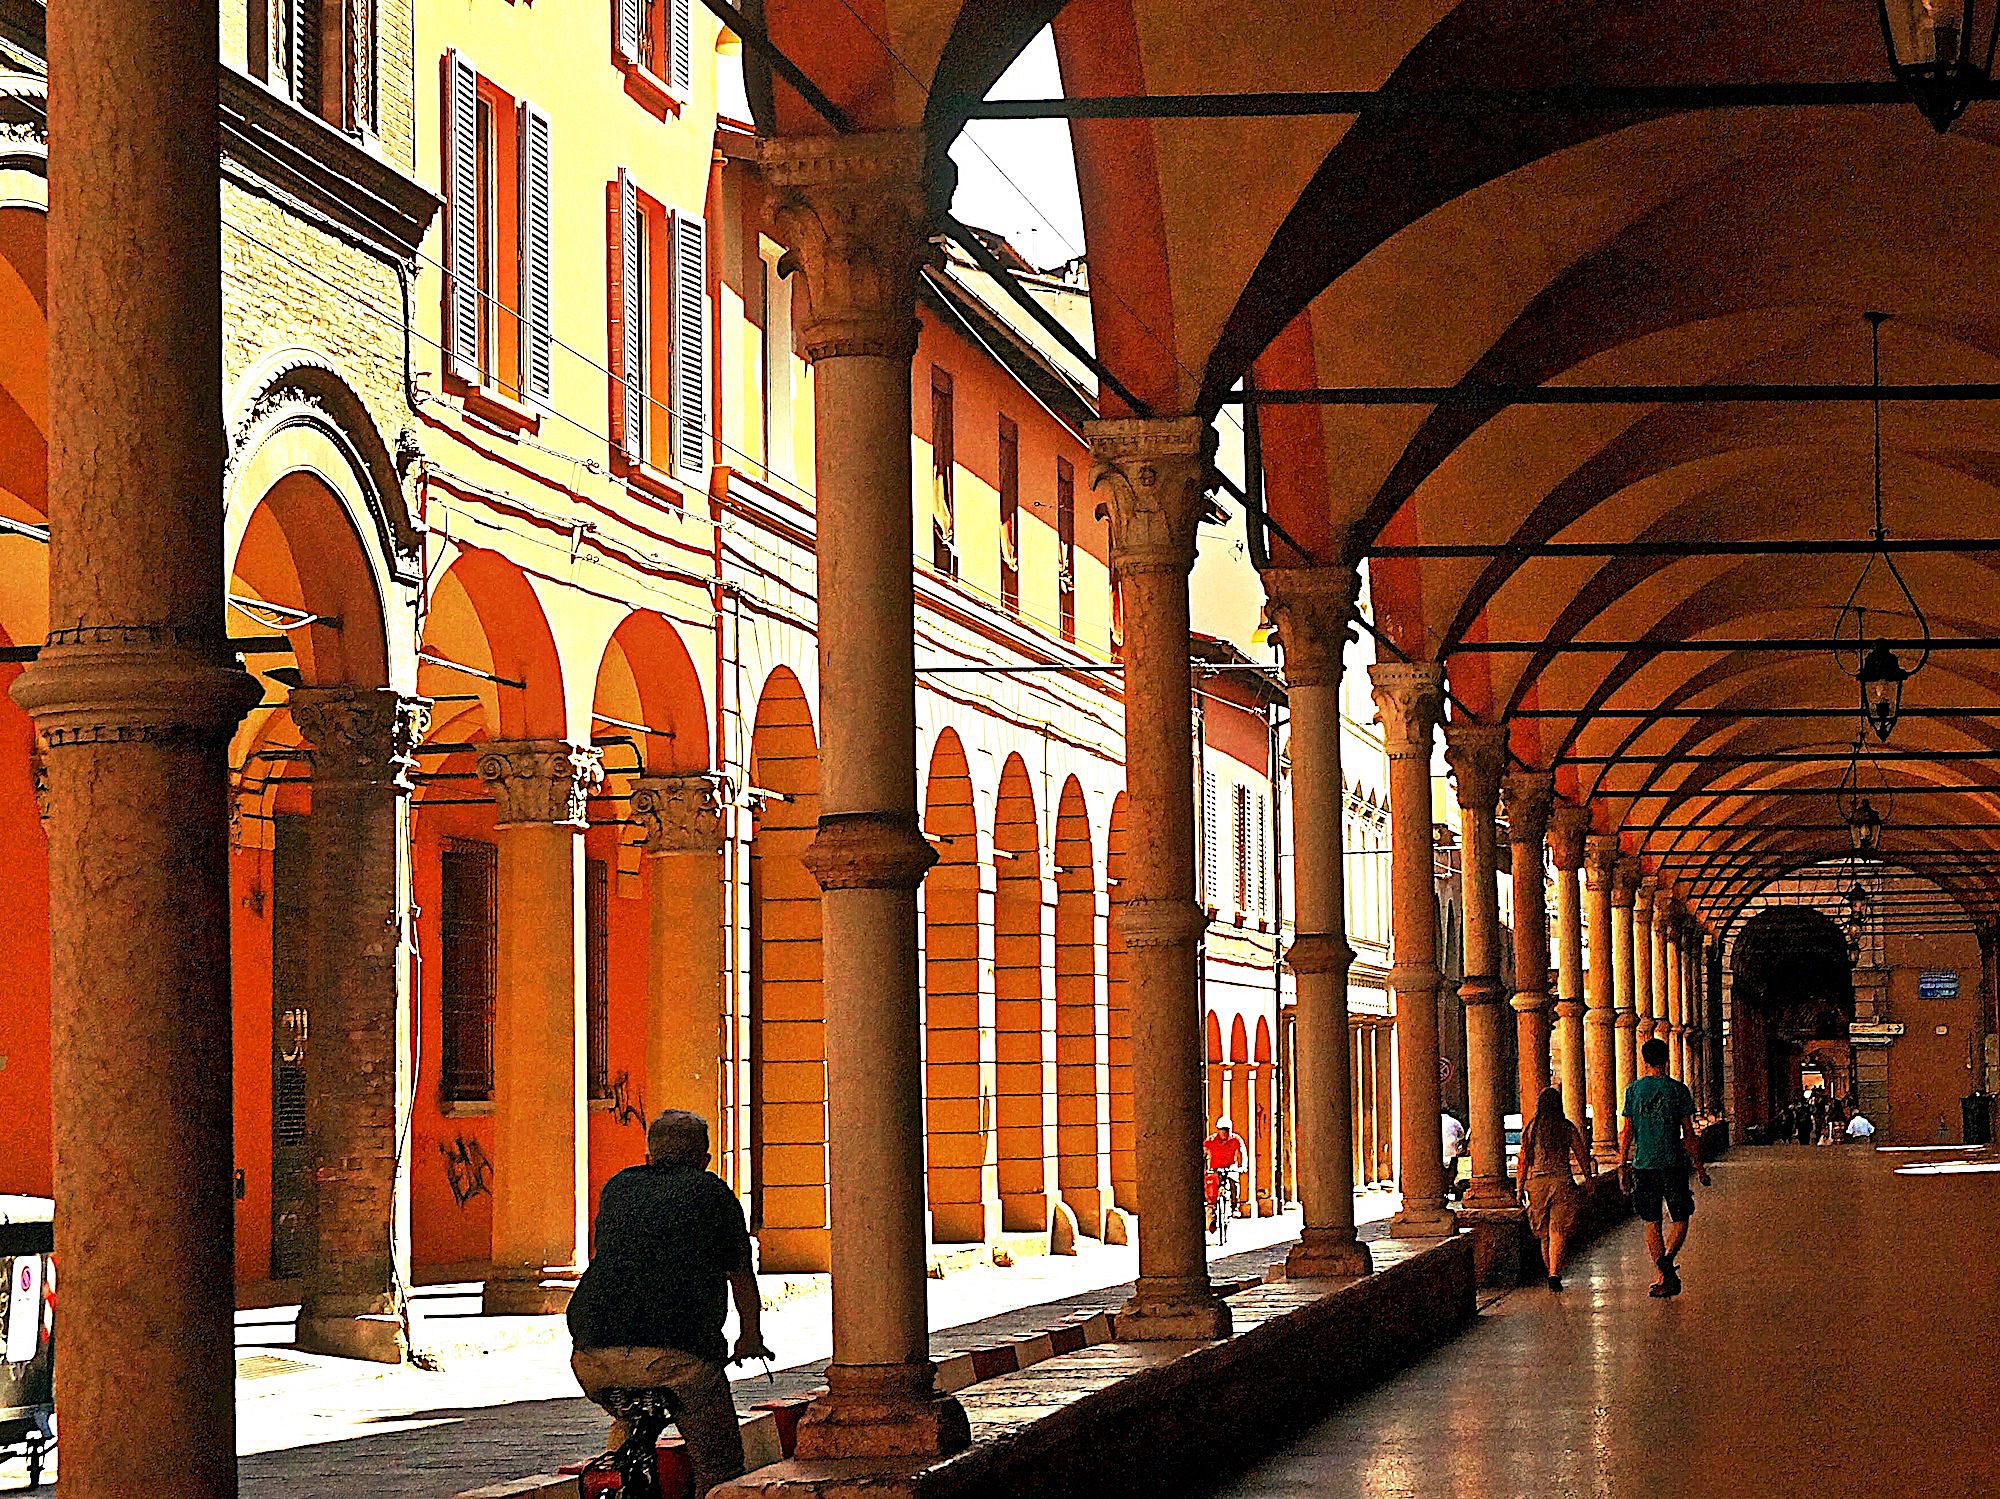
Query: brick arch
(788, 1122)
(1082, 1174)
(1123, 1129)
(1022, 1006)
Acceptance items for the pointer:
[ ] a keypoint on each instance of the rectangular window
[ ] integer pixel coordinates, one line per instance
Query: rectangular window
(486, 221)
(1010, 515)
(320, 54)
(659, 335)
(1066, 546)
(657, 37)
(597, 973)
(1244, 835)
(944, 521)
(468, 912)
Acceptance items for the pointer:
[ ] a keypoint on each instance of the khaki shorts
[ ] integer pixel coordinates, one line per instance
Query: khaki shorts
(1554, 1204)
(697, 1394)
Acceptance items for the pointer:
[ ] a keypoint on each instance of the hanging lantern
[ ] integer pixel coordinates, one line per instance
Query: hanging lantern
(1881, 678)
(1941, 51)
(1864, 829)
(1857, 904)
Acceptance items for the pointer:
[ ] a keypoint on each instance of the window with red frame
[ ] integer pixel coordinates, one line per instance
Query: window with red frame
(658, 334)
(656, 37)
(1010, 516)
(1066, 546)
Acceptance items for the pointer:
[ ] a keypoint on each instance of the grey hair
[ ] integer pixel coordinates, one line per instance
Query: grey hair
(677, 1137)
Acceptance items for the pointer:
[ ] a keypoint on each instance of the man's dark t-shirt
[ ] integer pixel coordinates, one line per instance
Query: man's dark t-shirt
(667, 1239)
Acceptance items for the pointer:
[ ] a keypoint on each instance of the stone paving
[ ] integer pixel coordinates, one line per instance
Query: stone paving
(1835, 1339)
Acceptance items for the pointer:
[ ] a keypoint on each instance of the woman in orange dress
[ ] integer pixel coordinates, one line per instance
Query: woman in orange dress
(1548, 1146)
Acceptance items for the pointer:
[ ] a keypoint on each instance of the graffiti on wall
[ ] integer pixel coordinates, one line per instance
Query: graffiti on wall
(467, 1169)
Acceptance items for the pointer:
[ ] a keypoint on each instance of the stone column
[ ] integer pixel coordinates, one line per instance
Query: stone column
(1624, 888)
(1155, 475)
(1530, 795)
(1568, 827)
(135, 695)
(855, 212)
(359, 1054)
(1314, 611)
(1409, 696)
(541, 1156)
(1477, 753)
(682, 816)
(1676, 941)
(1657, 944)
(1646, 970)
(1599, 1029)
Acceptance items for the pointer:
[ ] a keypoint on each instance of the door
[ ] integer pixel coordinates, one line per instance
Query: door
(291, 1168)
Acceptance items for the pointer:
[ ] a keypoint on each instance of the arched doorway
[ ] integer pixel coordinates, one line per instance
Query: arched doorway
(1794, 993)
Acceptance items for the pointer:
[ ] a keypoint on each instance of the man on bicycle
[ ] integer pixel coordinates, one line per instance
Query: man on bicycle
(1224, 1154)
(648, 1312)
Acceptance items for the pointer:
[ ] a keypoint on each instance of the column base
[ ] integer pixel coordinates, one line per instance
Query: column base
(1490, 1194)
(1499, 1243)
(376, 1337)
(1438, 1222)
(512, 1293)
(1173, 1311)
(1328, 1254)
(882, 1411)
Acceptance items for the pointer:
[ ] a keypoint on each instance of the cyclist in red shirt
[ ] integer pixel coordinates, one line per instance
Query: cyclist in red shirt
(1224, 1152)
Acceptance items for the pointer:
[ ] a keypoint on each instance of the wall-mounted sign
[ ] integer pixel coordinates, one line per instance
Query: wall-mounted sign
(1937, 983)
(1873, 1032)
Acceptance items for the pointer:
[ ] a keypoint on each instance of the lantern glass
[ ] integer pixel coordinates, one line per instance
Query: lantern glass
(1941, 50)
(1864, 828)
(1881, 678)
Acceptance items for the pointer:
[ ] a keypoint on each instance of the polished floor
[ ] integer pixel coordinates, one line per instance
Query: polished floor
(1839, 1338)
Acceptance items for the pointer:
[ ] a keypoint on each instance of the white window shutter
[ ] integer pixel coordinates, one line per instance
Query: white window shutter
(628, 339)
(462, 217)
(680, 46)
(690, 349)
(629, 25)
(1211, 854)
(1262, 813)
(537, 281)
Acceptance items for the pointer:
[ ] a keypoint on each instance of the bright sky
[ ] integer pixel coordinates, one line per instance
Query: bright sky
(1017, 177)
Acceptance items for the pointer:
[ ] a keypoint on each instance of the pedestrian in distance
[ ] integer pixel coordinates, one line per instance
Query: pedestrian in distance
(1547, 1187)
(1453, 1133)
(1657, 1151)
(1858, 1128)
(648, 1312)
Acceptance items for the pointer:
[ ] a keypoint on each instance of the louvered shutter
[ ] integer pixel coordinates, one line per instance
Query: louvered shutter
(537, 337)
(1261, 889)
(1211, 855)
(628, 341)
(628, 25)
(680, 46)
(462, 216)
(690, 349)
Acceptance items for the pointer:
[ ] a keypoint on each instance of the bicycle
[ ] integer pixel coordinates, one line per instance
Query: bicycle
(1223, 1208)
(631, 1471)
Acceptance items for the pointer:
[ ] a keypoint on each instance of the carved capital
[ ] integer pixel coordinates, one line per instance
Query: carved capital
(1314, 611)
(38, 771)
(854, 211)
(1642, 899)
(1320, 952)
(132, 684)
(1568, 828)
(1625, 881)
(1476, 753)
(681, 814)
(1600, 860)
(1156, 473)
(541, 780)
(1161, 923)
(361, 735)
(1409, 696)
(868, 851)
(1529, 795)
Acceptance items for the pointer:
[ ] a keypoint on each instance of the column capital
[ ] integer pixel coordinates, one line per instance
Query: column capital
(1476, 753)
(361, 735)
(1600, 862)
(132, 684)
(1667, 912)
(868, 851)
(1568, 828)
(682, 814)
(1320, 952)
(1529, 798)
(1648, 890)
(1625, 881)
(854, 211)
(1160, 923)
(545, 781)
(1314, 609)
(1157, 472)
(1409, 696)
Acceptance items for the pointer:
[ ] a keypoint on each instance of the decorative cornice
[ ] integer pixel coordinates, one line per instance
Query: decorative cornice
(133, 684)
(1314, 609)
(361, 735)
(868, 851)
(1409, 696)
(854, 211)
(1528, 796)
(1157, 472)
(1568, 828)
(541, 781)
(681, 814)
(1476, 753)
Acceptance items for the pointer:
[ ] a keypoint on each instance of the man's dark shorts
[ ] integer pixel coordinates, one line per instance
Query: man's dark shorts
(1671, 1189)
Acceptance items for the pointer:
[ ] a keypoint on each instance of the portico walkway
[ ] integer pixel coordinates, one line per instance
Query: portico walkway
(1834, 1338)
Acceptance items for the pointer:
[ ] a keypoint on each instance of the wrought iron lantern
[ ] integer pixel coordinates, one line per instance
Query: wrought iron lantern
(1857, 904)
(1877, 670)
(1941, 51)
(1864, 827)
(1858, 806)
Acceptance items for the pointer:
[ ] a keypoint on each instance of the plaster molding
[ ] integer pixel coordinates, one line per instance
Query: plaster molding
(1409, 696)
(1314, 610)
(682, 814)
(361, 735)
(541, 781)
(1157, 472)
(854, 209)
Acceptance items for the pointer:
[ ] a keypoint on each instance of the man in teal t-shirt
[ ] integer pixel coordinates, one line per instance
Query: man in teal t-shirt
(1657, 1149)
